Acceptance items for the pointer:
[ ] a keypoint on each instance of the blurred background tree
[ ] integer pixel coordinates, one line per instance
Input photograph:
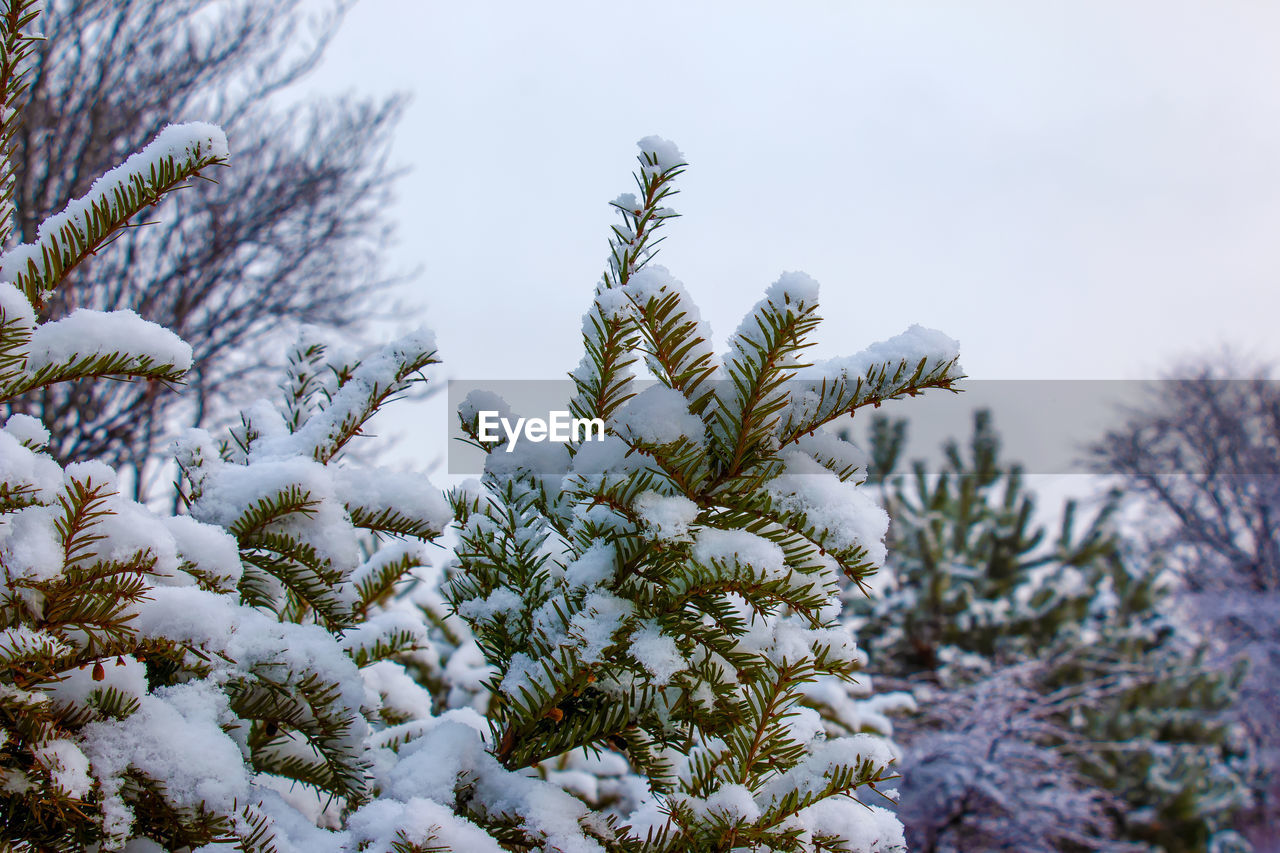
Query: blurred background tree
(1200, 455)
(1067, 707)
(292, 235)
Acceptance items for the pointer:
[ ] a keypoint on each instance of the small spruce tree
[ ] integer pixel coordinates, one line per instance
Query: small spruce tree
(669, 592)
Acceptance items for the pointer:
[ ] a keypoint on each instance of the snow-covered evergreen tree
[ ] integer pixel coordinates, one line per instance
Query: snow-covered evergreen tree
(1061, 643)
(670, 591)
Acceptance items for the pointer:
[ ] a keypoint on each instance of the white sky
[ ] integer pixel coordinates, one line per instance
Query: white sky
(1071, 189)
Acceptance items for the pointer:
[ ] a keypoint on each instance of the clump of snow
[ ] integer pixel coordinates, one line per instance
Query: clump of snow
(478, 401)
(67, 767)
(846, 515)
(384, 825)
(158, 740)
(28, 430)
(741, 548)
(658, 415)
(15, 308)
(21, 467)
(229, 494)
(496, 605)
(913, 345)
(656, 652)
(376, 490)
(195, 144)
(865, 828)
(595, 625)
(734, 802)
(30, 546)
(792, 290)
(593, 566)
(85, 333)
(612, 303)
(382, 628)
(211, 551)
(397, 691)
(668, 516)
(814, 771)
(663, 152)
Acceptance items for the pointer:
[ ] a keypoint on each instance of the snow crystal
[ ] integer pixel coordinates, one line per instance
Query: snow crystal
(85, 333)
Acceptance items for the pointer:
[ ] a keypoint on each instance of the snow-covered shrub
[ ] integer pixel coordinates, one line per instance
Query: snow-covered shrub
(1069, 639)
(669, 592)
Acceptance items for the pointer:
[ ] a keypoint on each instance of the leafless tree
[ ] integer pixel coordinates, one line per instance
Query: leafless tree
(1202, 453)
(291, 235)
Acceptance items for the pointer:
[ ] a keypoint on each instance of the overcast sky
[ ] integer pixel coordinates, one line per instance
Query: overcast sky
(1071, 189)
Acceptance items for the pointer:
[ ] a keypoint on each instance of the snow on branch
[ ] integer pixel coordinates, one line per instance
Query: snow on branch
(62, 241)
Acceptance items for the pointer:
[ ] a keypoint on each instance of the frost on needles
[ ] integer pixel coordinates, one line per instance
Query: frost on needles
(616, 658)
